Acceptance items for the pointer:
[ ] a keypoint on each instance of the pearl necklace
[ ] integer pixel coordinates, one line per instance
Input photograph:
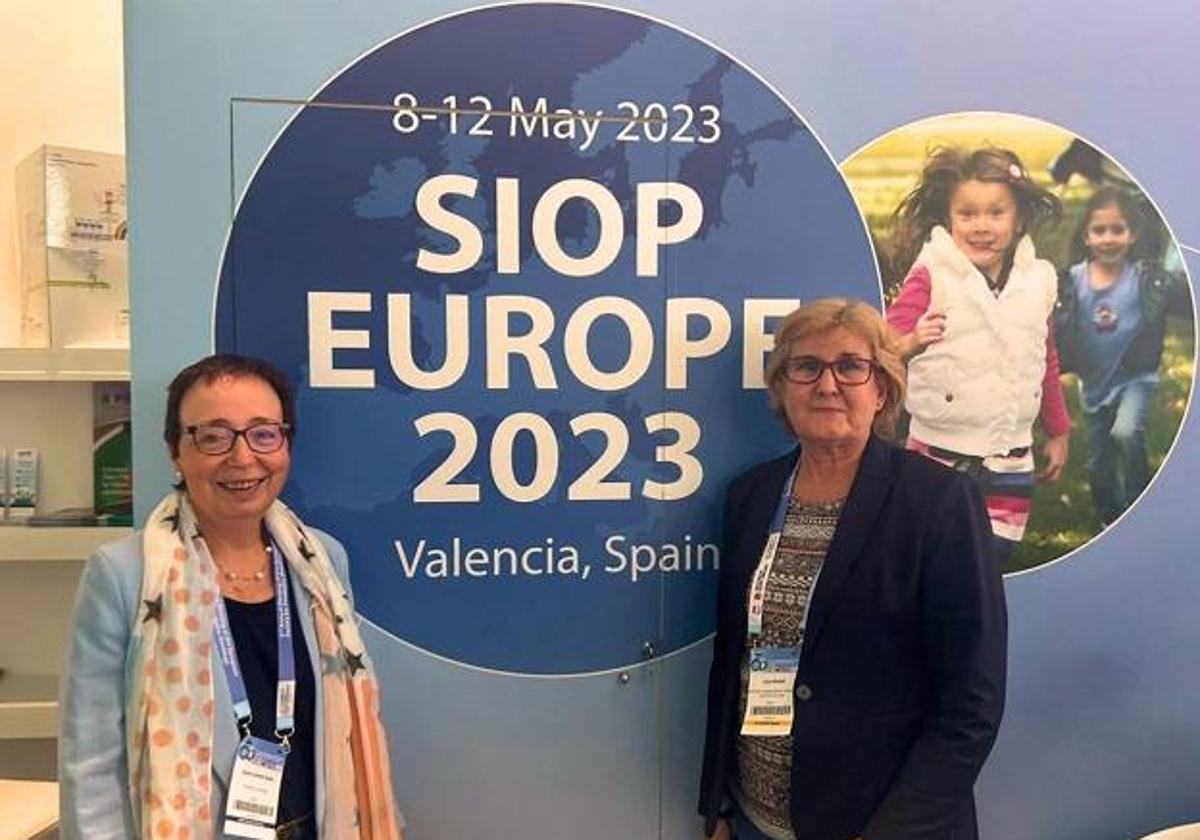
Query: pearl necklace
(257, 576)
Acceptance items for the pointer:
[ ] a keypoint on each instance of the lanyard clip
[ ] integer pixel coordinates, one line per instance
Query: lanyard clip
(285, 739)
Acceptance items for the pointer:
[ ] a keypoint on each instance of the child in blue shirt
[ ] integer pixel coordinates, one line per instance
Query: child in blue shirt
(1110, 322)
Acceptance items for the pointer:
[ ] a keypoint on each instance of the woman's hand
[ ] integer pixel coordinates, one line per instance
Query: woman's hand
(723, 831)
(1056, 450)
(930, 329)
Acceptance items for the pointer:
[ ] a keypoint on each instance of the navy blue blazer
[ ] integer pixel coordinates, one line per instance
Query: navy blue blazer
(900, 687)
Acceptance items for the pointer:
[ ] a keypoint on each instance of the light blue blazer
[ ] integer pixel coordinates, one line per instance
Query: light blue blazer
(92, 766)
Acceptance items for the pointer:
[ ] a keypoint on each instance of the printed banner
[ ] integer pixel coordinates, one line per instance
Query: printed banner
(527, 298)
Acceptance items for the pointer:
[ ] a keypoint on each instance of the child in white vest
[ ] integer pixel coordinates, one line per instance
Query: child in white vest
(974, 315)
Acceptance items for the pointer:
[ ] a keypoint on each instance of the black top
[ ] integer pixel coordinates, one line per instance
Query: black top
(253, 627)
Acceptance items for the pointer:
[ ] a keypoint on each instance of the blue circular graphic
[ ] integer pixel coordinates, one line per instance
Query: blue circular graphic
(632, 193)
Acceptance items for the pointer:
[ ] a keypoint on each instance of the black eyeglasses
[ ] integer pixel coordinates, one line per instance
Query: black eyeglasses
(847, 370)
(262, 438)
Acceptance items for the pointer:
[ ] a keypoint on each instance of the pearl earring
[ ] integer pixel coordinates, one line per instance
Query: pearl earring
(177, 477)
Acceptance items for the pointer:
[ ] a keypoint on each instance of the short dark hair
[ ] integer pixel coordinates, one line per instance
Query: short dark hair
(220, 366)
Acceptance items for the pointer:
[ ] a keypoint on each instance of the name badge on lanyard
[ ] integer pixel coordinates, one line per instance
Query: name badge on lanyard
(252, 807)
(769, 703)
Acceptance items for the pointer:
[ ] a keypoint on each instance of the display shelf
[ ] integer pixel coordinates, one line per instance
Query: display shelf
(28, 706)
(25, 364)
(48, 398)
(27, 809)
(22, 544)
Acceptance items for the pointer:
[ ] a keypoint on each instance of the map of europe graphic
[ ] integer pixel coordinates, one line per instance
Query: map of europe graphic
(331, 208)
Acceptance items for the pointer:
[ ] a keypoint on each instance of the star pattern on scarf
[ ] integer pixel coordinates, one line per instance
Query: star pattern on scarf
(306, 552)
(173, 518)
(354, 661)
(153, 609)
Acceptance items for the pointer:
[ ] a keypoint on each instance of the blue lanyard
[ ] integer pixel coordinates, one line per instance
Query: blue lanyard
(285, 691)
(758, 584)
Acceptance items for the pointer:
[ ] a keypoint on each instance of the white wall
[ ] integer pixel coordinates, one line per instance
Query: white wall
(62, 66)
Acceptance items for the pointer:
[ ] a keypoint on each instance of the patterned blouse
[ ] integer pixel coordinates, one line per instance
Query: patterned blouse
(762, 786)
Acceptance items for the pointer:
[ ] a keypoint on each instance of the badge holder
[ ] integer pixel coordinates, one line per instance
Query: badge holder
(252, 808)
(769, 702)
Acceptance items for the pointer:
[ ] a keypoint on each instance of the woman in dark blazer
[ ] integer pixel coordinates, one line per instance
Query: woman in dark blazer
(881, 582)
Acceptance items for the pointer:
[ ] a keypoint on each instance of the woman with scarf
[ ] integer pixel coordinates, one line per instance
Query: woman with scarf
(217, 684)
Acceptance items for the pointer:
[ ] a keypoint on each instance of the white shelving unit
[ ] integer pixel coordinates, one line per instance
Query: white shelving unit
(47, 402)
(28, 706)
(27, 808)
(21, 544)
(21, 364)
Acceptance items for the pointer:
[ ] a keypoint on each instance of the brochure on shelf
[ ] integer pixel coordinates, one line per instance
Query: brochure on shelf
(24, 483)
(112, 451)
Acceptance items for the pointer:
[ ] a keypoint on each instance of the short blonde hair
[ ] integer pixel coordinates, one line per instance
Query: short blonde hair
(862, 320)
